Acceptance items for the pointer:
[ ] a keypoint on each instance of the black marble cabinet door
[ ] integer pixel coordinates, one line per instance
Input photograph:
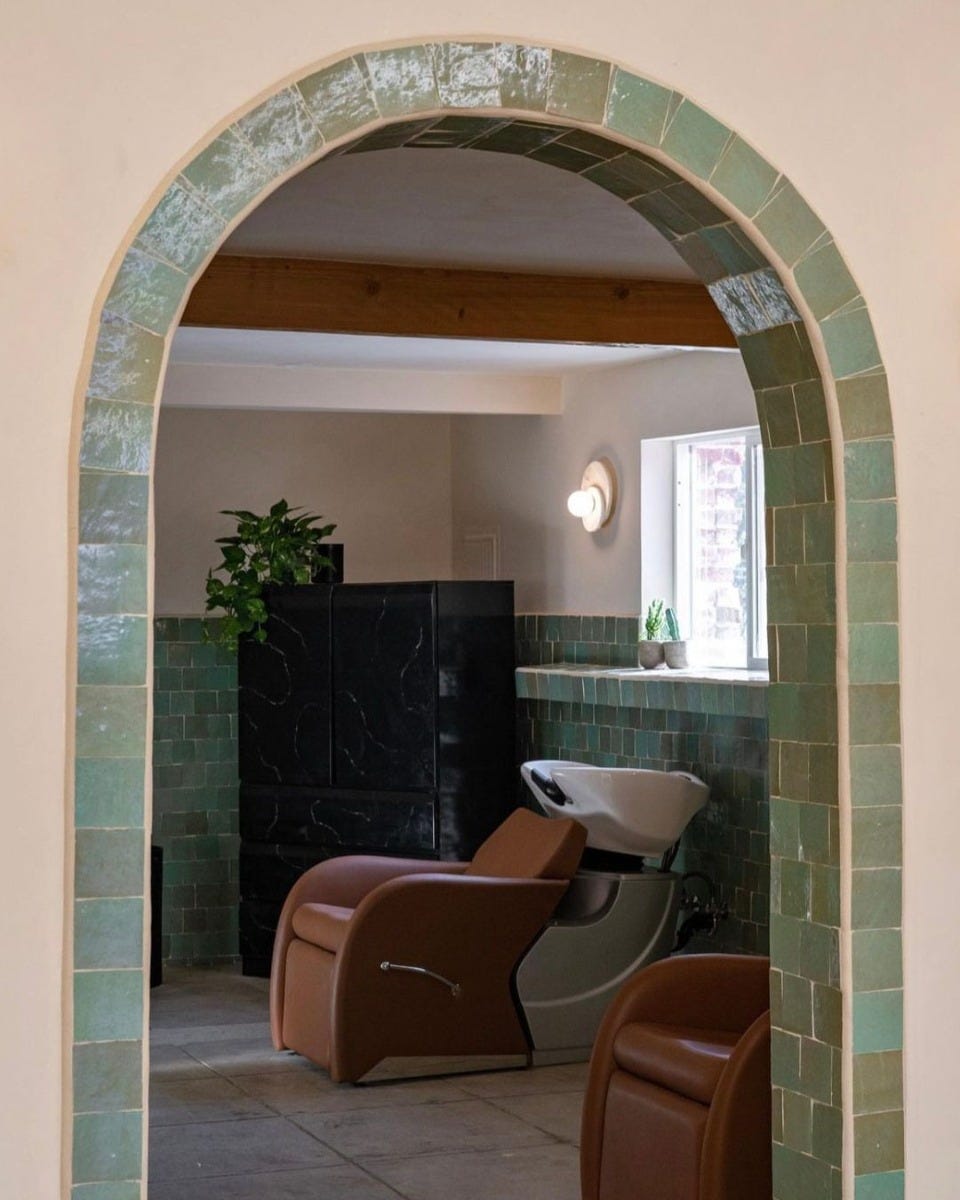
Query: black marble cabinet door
(285, 691)
(384, 686)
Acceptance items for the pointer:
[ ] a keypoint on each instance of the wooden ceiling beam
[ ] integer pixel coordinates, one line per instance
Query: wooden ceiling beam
(244, 292)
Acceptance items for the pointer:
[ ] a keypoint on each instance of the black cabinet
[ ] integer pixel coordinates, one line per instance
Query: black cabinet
(376, 718)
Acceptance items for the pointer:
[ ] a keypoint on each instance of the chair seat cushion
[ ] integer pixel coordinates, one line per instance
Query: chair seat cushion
(323, 925)
(687, 1061)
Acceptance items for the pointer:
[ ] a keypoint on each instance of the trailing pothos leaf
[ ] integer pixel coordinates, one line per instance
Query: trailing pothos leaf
(280, 547)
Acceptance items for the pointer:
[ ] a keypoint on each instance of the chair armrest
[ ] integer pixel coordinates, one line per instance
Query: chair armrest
(343, 881)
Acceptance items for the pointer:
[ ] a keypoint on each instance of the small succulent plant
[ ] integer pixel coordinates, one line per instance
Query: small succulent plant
(653, 624)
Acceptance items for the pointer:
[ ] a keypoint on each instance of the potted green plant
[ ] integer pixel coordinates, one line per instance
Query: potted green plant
(280, 547)
(650, 647)
(674, 647)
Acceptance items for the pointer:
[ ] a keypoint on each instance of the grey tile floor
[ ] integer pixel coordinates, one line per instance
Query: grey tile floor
(231, 1119)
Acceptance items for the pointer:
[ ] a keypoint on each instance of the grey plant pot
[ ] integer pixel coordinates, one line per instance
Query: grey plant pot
(675, 654)
(649, 654)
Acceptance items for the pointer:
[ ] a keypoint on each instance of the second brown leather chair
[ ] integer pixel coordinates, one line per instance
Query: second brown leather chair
(384, 957)
(678, 1098)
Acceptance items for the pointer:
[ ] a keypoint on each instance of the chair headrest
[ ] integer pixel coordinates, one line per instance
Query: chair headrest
(527, 846)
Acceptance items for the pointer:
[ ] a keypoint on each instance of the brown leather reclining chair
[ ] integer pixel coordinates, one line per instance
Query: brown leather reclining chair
(678, 1098)
(342, 991)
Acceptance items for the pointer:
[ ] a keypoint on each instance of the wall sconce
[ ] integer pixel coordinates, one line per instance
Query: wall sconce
(597, 497)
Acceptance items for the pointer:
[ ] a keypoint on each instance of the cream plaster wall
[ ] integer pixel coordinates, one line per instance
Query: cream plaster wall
(855, 102)
(514, 474)
(384, 480)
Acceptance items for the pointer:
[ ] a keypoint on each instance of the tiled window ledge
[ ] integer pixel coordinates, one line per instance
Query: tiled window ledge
(725, 692)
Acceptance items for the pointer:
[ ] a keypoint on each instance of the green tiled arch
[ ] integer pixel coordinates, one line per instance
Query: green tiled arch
(717, 201)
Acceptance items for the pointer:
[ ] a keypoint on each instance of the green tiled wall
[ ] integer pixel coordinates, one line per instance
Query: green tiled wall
(195, 797)
(709, 203)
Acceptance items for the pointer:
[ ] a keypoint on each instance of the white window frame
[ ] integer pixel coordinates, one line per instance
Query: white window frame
(755, 535)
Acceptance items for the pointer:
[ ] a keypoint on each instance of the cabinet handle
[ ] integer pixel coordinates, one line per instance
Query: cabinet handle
(391, 966)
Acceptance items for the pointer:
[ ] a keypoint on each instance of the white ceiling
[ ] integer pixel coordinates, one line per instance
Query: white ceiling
(456, 208)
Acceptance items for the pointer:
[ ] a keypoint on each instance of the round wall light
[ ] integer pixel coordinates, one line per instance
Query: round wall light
(596, 498)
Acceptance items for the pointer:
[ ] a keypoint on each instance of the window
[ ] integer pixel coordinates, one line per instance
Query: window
(719, 549)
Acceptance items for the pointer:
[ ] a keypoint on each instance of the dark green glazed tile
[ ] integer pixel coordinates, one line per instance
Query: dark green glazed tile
(874, 654)
(466, 74)
(827, 1134)
(636, 107)
(797, 1122)
(812, 411)
(107, 1076)
(182, 229)
(695, 139)
(108, 933)
(116, 436)
(126, 363)
(875, 775)
(874, 714)
(339, 98)
(146, 291)
(778, 417)
(787, 537)
(109, 793)
(108, 1005)
(519, 137)
(524, 73)
(877, 1021)
(869, 470)
(872, 531)
(112, 579)
(107, 1146)
(877, 960)
(777, 356)
(816, 1070)
(113, 508)
(877, 897)
(872, 592)
(109, 863)
(876, 836)
(878, 1142)
(227, 174)
(788, 223)
(111, 722)
(703, 211)
(864, 402)
(281, 131)
(827, 1014)
(127, 1189)
(578, 86)
(802, 1177)
(886, 1185)
(819, 534)
(795, 1015)
(565, 157)
(826, 283)
(731, 247)
(785, 1059)
(825, 893)
(112, 649)
(743, 176)
(850, 343)
(402, 80)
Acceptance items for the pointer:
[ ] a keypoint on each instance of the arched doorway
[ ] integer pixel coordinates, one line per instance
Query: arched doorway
(807, 342)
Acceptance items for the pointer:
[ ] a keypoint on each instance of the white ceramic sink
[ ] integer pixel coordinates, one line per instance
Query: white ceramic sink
(627, 810)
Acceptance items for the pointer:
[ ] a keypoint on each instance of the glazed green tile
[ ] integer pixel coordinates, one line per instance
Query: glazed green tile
(776, 356)
(339, 98)
(874, 653)
(827, 1014)
(701, 257)
(816, 1069)
(733, 249)
(850, 343)
(107, 1146)
(821, 654)
(824, 771)
(794, 779)
(787, 535)
(779, 416)
(112, 649)
(826, 283)
(108, 933)
(875, 776)
(795, 1014)
(689, 198)
(627, 175)
(812, 473)
(146, 291)
(113, 508)
(112, 579)
(281, 131)
(827, 1134)
(107, 1076)
(812, 411)
(116, 436)
(876, 895)
(108, 1005)
(524, 74)
(814, 826)
(864, 403)
(877, 960)
(109, 863)
(673, 221)
(872, 531)
(872, 592)
(111, 722)
(874, 714)
(797, 1122)
(636, 107)
(785, 942)
(402, 80)
(825, 894)
(109, 793)
(819, 534)
(788, 223)
(743, 176)
(876, 836)
(227, 175)
(128, 1189)
(578, 86)
(785, 1059)
(820, 954)
(126, 363)
(794, 889)
(695, 139)
(182, 229)
(885, 1185)
(784, 827)
(878, 1142)
(877, 1021)
(778, 477)
(869, 470)
(466, 74)
(801, 1176)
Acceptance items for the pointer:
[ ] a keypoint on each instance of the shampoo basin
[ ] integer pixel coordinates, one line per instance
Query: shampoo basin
(624, 809)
